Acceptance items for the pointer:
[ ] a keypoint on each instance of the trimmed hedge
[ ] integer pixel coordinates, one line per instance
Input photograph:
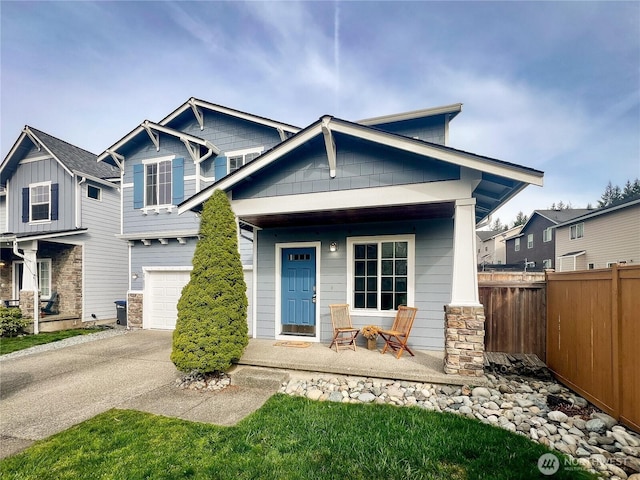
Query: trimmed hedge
(211, 330)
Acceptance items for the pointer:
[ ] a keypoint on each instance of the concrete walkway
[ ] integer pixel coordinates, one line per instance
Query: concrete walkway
(47, 392)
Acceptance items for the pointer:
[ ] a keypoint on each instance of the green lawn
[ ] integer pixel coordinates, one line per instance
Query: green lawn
(13, 344)
(288, 438)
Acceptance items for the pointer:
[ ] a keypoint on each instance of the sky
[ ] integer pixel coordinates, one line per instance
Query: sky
(553, 86)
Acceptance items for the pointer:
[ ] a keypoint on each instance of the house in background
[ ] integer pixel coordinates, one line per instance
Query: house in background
(161, 164)
(600, 238)
(375, 214)
(60, 213)
(492, 247)
(533, 249)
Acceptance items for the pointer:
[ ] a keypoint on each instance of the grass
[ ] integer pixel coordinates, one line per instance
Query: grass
(13, 344)
(288, 438)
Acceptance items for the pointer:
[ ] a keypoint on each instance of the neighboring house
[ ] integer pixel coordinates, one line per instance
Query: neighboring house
(600, 238)
(60, 213)
(492, 248)
(374, 214)
(534, 248)
(162, 164)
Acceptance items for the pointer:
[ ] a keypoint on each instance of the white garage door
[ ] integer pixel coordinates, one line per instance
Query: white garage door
(162, 292)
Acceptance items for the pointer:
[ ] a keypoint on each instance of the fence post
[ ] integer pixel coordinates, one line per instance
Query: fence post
(615, 339)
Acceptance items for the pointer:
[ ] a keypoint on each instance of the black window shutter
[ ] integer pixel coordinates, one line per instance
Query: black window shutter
(54, 201)
(25, 205)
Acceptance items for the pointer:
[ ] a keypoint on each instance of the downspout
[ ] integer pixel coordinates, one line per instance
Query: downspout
(36, 310)
(78, 197)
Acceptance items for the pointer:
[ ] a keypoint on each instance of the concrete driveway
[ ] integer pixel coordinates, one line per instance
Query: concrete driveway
(44, 393)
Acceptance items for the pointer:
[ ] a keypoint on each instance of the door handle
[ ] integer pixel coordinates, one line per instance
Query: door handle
(313, 299)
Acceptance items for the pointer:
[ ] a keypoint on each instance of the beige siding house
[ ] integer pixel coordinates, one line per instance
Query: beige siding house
(492, 245)
(599, 239)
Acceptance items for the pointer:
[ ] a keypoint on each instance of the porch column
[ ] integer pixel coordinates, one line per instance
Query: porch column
(464, 316)
(29, 294)
(464, 289)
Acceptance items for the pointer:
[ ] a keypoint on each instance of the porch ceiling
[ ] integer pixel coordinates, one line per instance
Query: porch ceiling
(360, 215)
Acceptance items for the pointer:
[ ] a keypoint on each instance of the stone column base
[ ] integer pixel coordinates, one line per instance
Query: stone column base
(26, 303)
(134, 310)
(464, 340)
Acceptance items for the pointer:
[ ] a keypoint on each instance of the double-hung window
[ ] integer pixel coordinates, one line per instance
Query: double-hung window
(577, 231)
(381, 270)
(547, 234)
(158, 183)
(40, 202)
(517, 245)
(530, 240)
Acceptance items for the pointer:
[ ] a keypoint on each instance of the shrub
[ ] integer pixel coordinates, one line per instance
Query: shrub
(11, 322)
(211, 329)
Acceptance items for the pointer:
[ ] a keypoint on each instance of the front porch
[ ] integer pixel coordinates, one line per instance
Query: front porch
(425, 367)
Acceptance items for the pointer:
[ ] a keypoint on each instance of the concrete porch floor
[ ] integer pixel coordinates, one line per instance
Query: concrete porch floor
(425, 367)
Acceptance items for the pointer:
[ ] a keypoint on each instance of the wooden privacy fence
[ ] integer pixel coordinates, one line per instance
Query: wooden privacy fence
(515, 312)
(593, 337)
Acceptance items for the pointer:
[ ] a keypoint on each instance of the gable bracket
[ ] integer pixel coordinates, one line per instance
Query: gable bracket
(119, 159)
(330, 145)
(197, 113)
(155, 137)
(283, 136)
(35, 141)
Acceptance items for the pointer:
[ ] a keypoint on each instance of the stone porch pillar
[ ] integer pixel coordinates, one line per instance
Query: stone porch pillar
(29, 291)
(464, 316)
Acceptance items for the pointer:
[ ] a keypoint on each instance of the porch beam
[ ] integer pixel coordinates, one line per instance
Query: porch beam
(330, 145)
(413, 194)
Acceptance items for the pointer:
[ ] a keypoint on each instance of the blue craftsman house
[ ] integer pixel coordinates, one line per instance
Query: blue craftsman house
(59, 213)
(375, 213)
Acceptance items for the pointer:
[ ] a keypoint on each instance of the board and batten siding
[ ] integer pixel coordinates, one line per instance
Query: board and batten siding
(610, 237)
(47, 170)
(105, 257)
(433, 275)
(3, 213)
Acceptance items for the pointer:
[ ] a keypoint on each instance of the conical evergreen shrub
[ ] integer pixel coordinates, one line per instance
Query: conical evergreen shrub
(211, 330)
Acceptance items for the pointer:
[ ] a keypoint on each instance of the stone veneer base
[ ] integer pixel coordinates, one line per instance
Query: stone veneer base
(464, 340)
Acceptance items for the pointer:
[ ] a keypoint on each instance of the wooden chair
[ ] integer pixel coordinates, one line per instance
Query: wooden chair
(344, 335)
(396, 338)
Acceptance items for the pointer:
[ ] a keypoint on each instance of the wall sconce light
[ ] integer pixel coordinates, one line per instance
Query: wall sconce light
(333, 247)
(2, 264)
(134, 276)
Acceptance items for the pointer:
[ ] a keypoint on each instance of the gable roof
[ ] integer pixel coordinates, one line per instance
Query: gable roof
(192, 107)
(485, 235)
(500, 180)
(559, 216)
(74, 160)
(601, 211)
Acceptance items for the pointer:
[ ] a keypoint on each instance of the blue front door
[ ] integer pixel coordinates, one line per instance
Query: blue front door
(298, 291)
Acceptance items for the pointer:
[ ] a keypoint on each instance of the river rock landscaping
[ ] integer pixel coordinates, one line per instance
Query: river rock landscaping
(544, 411)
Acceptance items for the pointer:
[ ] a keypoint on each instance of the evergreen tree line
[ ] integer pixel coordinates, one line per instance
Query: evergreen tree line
(612, 195)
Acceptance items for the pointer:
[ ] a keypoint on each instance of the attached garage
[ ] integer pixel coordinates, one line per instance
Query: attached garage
(163, 287)
(161, 294)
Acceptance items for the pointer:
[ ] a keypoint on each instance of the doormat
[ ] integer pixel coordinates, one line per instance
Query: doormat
(286, 343)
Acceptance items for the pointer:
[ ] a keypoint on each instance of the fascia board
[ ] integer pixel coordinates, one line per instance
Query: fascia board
(126, 139)
(453, 157)
(227, 111)
(50, 152)
(12, 152)
(426, 112)
(251, 168)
